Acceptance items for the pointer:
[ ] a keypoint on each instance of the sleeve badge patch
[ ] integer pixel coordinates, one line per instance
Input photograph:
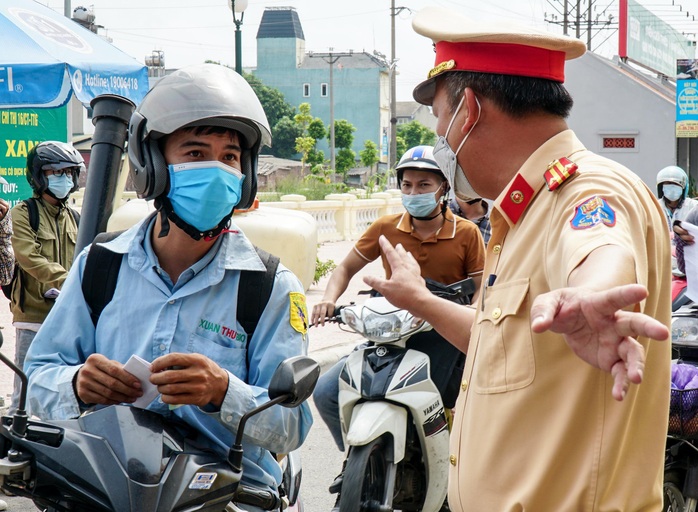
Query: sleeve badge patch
(591, 212)
(299, 312)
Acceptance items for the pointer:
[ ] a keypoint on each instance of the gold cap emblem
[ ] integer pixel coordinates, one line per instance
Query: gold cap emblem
(440, 68)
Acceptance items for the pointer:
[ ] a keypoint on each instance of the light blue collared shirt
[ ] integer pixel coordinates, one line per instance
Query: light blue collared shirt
(150, 316)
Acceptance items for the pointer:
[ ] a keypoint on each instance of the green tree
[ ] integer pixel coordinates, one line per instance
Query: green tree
(345, 159)
(414, 134)
(401, 146)
(315, 157)
(303, 117)
(285, 133)
(304, 143)
(273, 101)
(276, 108)
(369, 155)
(316, 129)
(343, 133)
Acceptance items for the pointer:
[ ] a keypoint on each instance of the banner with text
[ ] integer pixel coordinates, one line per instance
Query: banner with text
(687, 98)
(654, 43)
(21, 130)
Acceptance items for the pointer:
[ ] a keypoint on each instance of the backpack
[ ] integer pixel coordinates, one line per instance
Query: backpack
(33, 211)
(102, 272)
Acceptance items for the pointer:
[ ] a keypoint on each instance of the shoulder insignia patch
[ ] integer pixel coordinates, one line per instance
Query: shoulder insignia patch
(558, 172)
(298, 317)
(591, 212)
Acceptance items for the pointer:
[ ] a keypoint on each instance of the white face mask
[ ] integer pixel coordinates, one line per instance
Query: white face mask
(448, 161)
(672, 192)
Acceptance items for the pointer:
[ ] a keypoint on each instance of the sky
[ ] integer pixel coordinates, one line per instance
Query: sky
(191, 31)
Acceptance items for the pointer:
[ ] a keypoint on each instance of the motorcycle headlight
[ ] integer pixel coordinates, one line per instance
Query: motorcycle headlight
(389, 328)
(350, 318)
(382, 328)
(684, 331)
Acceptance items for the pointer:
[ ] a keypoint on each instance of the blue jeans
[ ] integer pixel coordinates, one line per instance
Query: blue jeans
(326, 400)
(23, 338)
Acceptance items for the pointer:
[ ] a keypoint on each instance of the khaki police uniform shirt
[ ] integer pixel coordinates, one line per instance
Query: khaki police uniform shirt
(536, 428)
(455, 252)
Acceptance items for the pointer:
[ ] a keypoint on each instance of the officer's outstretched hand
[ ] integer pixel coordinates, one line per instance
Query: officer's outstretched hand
(599, 331)
(406, 285)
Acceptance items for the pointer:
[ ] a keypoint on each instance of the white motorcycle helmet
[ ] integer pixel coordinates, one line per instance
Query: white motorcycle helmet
(199, 95)
(675, 175)
(420, 158)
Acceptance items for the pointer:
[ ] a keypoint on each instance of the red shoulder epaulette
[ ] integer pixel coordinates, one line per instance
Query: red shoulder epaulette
(558, 172)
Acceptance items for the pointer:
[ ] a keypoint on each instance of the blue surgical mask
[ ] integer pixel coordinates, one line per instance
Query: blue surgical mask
(60, 186)
(672, 192)
(447, 159)
(203, 193)
(419, 205)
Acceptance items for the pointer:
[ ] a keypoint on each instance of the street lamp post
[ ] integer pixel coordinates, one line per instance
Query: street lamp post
(238, 7)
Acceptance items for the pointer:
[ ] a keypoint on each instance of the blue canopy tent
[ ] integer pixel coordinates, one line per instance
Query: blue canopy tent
(45, 56)
(44, 59)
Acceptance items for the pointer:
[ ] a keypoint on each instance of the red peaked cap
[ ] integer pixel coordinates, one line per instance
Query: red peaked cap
(505, 49)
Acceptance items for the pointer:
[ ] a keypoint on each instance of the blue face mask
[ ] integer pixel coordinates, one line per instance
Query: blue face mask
(202, 193)
(419, 205)
(60, 186)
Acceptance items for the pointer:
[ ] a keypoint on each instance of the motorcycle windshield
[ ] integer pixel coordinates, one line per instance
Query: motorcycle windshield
(136, 437)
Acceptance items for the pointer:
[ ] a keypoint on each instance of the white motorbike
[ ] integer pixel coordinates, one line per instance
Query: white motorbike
(393, 419)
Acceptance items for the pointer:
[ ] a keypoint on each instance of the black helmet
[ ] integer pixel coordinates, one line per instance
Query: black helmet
(55, 155)
(199, 95)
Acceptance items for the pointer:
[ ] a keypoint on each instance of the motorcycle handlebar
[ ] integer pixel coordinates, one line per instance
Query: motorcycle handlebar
(266, 500)
(461, 291)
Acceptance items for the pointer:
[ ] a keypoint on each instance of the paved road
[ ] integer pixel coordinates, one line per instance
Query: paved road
(321, 460)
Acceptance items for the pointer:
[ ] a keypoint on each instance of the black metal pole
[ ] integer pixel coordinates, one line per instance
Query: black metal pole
(111, 116)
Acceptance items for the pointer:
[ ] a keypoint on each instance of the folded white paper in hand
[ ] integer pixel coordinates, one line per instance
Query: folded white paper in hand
(140, 368)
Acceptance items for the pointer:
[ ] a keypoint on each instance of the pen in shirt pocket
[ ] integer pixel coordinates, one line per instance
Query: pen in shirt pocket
(490, 282)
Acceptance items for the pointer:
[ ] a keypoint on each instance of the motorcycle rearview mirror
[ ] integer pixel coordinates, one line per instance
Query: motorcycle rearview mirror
(20, 418)
(295, 378)
(291, 384)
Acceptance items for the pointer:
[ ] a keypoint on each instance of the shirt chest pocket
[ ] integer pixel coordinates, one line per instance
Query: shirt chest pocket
(504, 359)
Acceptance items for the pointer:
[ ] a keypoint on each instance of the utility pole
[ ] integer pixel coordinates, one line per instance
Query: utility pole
(392, 157)
(392, 154)
(579, 15)
(331, 58)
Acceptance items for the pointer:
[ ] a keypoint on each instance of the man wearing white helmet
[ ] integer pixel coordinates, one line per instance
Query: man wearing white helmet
(672, 190)
(193, 148)
(447, 248)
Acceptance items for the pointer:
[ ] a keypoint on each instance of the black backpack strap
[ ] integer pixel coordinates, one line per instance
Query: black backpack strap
(33, 211)
(76, 216)
(254, 292)
(18, 275)
(100, 275)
